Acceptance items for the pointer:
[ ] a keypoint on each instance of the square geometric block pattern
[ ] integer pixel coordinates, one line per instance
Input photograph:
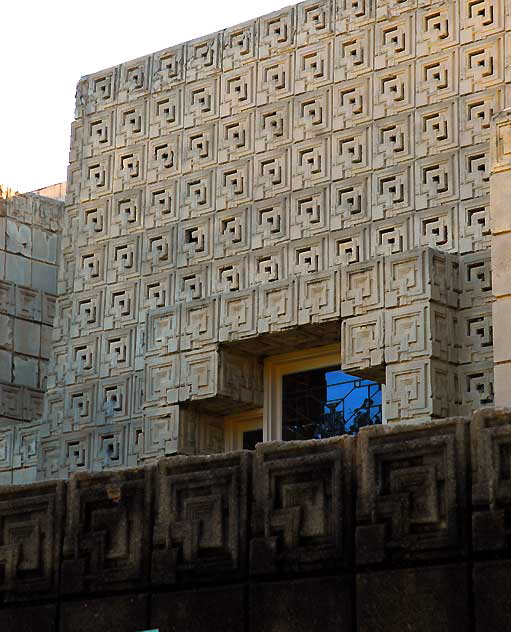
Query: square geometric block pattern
(266, 179)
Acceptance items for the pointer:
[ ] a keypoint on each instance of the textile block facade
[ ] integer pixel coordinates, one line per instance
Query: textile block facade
(320, 174)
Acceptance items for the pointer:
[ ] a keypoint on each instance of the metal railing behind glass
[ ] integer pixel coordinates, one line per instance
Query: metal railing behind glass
(327, 403)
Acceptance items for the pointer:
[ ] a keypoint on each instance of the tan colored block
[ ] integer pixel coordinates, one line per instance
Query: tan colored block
(502, 329)
(500, 195)
(502, 382)
(501, 264)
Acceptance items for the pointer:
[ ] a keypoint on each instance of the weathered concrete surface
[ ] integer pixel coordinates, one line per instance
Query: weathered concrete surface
(360, 533)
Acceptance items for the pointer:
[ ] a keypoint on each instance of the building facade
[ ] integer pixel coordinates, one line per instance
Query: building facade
(305, 191)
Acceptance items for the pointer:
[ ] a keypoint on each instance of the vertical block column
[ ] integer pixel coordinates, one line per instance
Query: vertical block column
(421, 298)
(500, 213)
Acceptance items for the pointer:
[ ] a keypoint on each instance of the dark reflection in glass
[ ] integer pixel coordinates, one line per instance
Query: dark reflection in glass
(251, 437)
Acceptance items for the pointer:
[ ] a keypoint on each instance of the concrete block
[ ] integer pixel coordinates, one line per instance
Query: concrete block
(109, 614)
(501, 328)
(27, 337)
(46, 337)
(501, 264)
(44, 277)
(502, 381)
(18, 269)
(420, 599)
(6, 331)
(310, 605)
(29, 619)
(25, 475)
(491, 499)
(26, 371)
(199, 610)
(110, 499)
(45, 246)
(421, 460)
(18, 238)
(35, 513)
(2, 233)
(5, 366)
(277, 468)
(224, 497)
(500, 194)
(491, 589)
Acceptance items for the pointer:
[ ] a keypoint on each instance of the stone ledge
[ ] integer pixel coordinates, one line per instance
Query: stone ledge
(390, 498)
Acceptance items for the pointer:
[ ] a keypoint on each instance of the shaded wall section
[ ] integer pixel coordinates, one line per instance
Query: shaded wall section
(501, 252)
(30, 236)
(404, 527)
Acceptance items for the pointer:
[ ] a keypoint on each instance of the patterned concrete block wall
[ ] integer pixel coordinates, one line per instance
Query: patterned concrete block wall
(30, 228)
(252, 191)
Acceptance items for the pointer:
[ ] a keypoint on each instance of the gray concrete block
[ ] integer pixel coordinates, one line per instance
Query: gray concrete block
(27, 337)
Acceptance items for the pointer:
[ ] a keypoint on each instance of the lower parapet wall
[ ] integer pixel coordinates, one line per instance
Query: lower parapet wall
(404, 527)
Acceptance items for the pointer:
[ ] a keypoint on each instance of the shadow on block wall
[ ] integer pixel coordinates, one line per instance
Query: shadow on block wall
(402, 527)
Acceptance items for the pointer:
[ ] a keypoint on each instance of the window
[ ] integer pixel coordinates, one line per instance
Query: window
(306, 396)
(326, 403)
(244, 430)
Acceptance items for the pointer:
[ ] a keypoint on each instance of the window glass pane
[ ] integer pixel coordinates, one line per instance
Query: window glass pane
(326, 403)
(251, 437)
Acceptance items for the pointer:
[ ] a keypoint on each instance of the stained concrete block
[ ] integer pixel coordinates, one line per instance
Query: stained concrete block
(6, 331)
(199, 610)
(420, 599)
(114, 614)
(34, 514)
(492, 584)
(501, 264)
(110, 499)
(46, 337)
(44, 277)
(27, 337)
(2, 233)
(5, 366)
(29, 619)
(502, 373)
(26, 371)
(45, 246)
(18, 269)
(308, 605)
(502, 326)
(19, 238)
(500, 192)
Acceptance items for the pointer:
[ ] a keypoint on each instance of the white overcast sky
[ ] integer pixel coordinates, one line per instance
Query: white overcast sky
(46, 46)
